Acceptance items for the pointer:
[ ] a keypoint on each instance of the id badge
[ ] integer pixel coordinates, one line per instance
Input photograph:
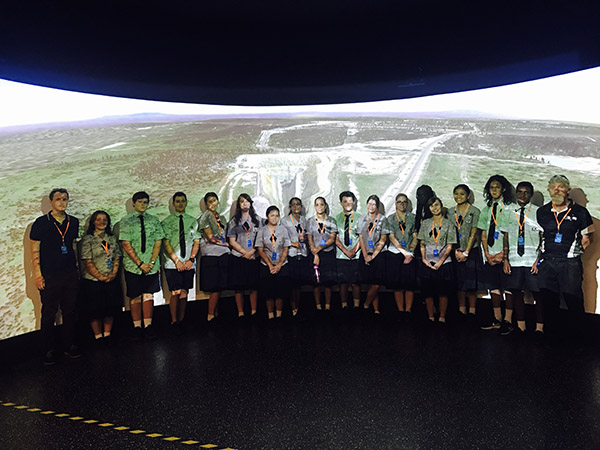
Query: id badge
(302, 244)
(370, 243)
(496, 234)
(274, 256)
(322, 242)
(460, 235)
(63, 249)
(249, 243)
(403, 244)
(521, 240)
(350, 241)
(109, 263)
(223, 239)
(436, 253)
(558, 238)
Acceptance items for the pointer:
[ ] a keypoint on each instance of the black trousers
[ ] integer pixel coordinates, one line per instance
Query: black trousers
(551, 310)
(60, 291)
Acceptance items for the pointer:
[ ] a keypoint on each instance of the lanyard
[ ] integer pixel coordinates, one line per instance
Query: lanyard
(558, 224)
(62, 235)
(105, 245)
(458, 224)
(494, 217)
(436, 238)
(248, 229)
(373, 225)
(521, 225)
(321, 225)
(219, 225)
(272, 236)
(294, 223)
(400, 223)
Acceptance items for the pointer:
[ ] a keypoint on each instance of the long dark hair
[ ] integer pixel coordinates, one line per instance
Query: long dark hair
(238, 210)
(508, 190)
(92, 228)
(424, 193)
(324, 201)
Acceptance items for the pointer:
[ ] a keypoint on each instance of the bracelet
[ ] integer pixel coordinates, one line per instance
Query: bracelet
(140, 264)
(465, 253)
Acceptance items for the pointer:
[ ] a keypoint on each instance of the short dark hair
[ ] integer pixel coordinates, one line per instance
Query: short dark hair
(179, 194)
(464, 187)
(272, 208)
(527, 185)
(209, 195)
(58, 190)
(140, 196)
(347, 194)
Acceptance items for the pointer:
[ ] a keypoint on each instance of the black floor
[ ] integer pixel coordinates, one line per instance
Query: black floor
(336, 382)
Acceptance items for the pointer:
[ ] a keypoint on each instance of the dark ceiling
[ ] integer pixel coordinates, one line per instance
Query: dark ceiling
(266, 52)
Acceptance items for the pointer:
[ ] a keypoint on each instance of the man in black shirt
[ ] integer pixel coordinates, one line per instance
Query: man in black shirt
(55, 272)
(568, 230)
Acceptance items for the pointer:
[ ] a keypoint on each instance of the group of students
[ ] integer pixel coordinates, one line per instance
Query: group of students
(505, 249)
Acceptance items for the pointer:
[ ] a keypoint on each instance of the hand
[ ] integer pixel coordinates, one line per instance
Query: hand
(249, 254)
(437, 265)
(534, 268)
(368, 259)
(498, 257)
(316, 260)
(179, 266)
(460, 257)
(188, 265)
(145, 268)
(427, 263)
(40, 283)
(507, 267)
(408, 258)
(275, 269)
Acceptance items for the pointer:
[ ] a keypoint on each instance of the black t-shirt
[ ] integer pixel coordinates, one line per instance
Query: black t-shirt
(52, 258)
(575, 219)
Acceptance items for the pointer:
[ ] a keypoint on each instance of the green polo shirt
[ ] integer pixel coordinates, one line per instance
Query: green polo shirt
(353, 231)
(130, 230)
(485, 216)
(171, 229)
(531, 229)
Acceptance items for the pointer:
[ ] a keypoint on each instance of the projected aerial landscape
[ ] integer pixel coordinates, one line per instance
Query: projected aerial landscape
(103, 162)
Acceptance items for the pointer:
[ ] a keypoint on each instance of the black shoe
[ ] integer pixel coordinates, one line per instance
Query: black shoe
(505, 328)
(494, 325)
(73, 352)
(138, 334)
(538, 335)
(150, 333)
(50, 358)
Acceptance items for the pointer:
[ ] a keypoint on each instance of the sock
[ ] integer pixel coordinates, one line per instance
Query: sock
(294, 312)
(539, 327)
(344, 305)
(253, 311)
(240, 313)
(431, 318)
(442, 319)
(508, 315)
(356, 302)
(98, 336)
(365, 306)
(521, 325)
(327, 307)
(472, 311)
(319, 307)
(271, 316)
(210, 317)
(147, 322)
(278, 313)
(498, 314)
(377, 312)
(137, 323)
(106, 333)
(463, 309)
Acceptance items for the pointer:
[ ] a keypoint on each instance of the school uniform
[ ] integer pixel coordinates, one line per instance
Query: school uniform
(321, 232)
(300, 266)
(101, 299)
(141, 231)
(437, 239)
(347, 268)
(243, 273)
(400, 276)
(181, 230)
(490, 220)
(371, 232)
(214, 260)
(467, 272)
(273, 286)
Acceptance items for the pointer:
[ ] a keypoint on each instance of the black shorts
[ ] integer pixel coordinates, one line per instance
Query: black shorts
(274, 286)
(563, 275)
(101, 299)
(468, 273)
(400, 276)
(177, 280)
(491, 277)
(347, 271)
(520, 279)
(214, 273)
(437, 282)
(243, 273)
(141, 284)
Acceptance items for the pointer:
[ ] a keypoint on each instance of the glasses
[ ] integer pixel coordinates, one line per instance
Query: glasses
(402, 202)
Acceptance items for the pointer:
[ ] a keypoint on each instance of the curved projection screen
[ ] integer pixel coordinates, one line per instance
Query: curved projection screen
(104, 149)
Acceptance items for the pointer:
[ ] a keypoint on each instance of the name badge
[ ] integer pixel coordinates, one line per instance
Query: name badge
(558, 238)
(403, 244)
(521, 240)
(496, 234)
(223, 239)
(436, 253)
(322, 242)
(350, 241)
(63, 249)
(274, 256)
(302, 244)
(460, 235)
(109, 263)
(370, 244)
(249, 242)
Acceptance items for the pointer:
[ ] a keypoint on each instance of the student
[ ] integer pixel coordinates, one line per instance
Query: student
(500, 198)
(437, 236)
(348, 249)
(522, 242)
(322, 233)
(401, 267)
(568, 231)
(180, 248)
(272, 243)
(101, 258)
(55, 273)
(215, 253)
(373, 231)
(243, 263)
(467, 256)
(299, 265)
(141, 236)
(424, 193)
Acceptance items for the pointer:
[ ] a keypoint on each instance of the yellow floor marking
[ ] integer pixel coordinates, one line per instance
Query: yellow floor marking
(8, 404)
(75, 418)
(34, 409)
(121, 428)
(208, 446)
(190, 442)
(47, 412)
(107, 424)
(153, 435)
(62, 415)
(172, 438)
(21, 407)
(137, 431)
(90, 421)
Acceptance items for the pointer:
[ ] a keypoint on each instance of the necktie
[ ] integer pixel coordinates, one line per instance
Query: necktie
(492, 229)
(143, 234)
(181, 237)
(521, 242)
(347, 230)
